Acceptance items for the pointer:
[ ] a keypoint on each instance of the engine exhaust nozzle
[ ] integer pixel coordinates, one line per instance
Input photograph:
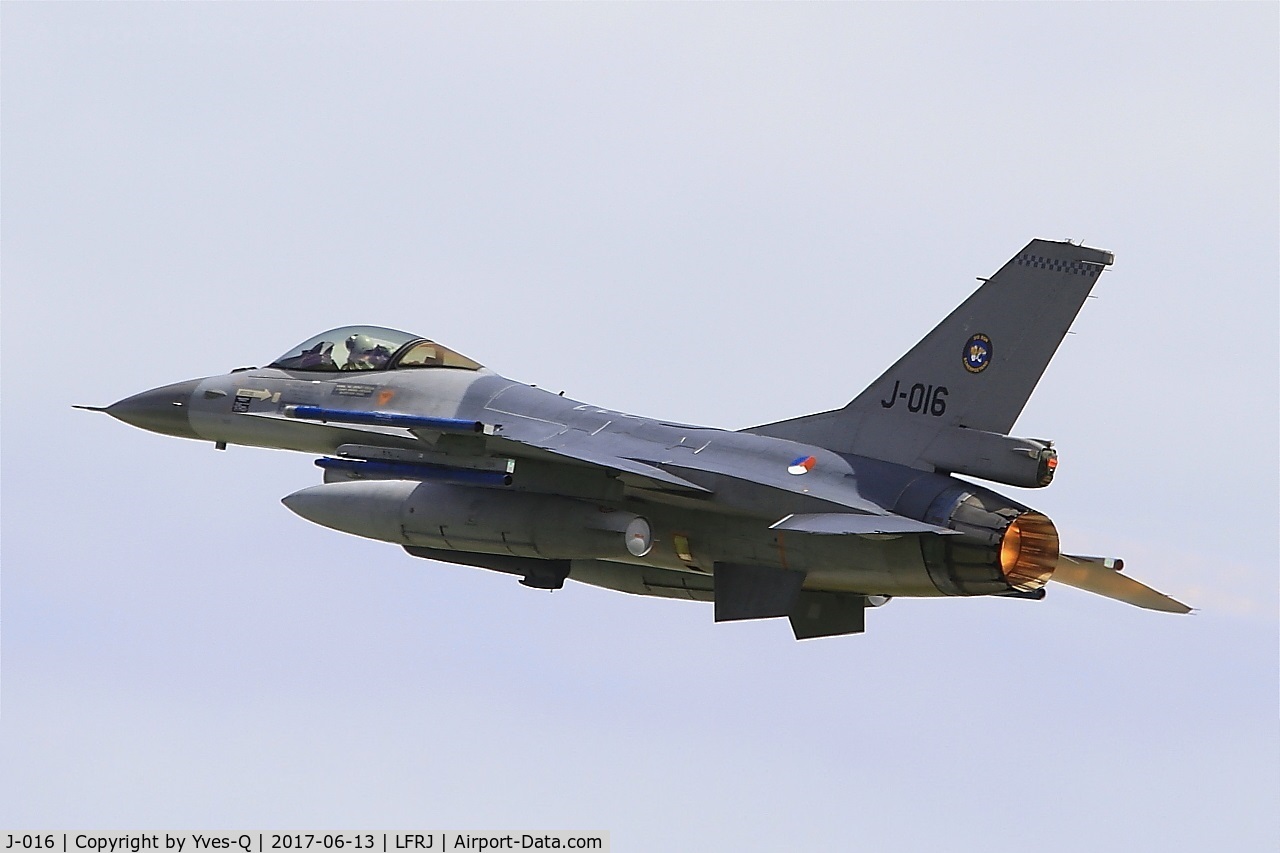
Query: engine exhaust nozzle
(1029, 551)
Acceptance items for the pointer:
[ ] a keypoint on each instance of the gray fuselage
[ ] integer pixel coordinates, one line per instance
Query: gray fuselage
(740, 483)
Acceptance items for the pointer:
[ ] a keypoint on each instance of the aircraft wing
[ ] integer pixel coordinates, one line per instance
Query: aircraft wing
(594, 458)
(476, 438)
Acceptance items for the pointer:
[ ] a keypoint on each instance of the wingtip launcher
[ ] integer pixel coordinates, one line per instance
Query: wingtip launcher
(389, 419)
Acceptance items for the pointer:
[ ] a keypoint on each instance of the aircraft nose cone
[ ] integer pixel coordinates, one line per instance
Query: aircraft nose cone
(163, 410)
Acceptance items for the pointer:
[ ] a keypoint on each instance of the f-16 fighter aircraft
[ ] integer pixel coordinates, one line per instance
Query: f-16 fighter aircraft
(814, 519)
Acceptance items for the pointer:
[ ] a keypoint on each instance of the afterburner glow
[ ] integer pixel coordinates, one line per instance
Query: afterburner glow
(1029, 551)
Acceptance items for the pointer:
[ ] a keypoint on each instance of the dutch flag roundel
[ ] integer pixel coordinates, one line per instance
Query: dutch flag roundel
(802, 465)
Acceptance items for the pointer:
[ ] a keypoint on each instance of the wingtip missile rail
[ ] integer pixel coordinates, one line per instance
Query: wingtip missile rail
(391, 419)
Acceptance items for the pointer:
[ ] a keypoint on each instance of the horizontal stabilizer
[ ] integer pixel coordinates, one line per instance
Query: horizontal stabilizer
(1094, 574)
(855, 524)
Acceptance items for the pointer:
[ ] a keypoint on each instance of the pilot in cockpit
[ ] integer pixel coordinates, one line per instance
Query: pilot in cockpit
(365, 353)
(370, 348)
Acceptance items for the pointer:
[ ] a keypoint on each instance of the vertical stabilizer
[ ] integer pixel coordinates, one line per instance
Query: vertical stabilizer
(973, 374)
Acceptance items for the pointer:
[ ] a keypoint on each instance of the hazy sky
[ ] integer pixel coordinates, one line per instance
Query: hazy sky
(719, 214)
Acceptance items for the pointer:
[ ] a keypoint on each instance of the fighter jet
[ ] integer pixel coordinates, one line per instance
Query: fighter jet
(814, 519)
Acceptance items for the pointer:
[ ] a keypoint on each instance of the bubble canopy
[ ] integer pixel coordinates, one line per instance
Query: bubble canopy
(353, 348)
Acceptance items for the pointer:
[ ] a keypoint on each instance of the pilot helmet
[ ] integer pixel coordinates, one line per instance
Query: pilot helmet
(359, 344)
